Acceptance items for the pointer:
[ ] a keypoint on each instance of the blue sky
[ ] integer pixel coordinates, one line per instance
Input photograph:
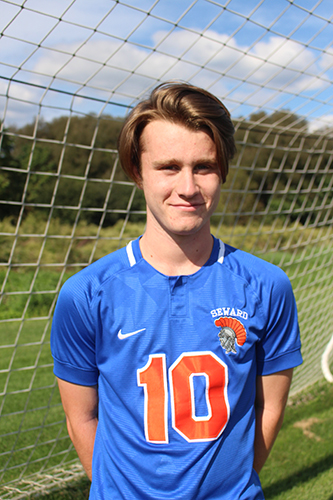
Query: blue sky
(76, 55)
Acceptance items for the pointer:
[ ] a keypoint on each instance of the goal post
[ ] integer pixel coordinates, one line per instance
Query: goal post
(69, 73)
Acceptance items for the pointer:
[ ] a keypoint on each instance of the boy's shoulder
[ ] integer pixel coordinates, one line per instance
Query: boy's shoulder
(256, 271)
(98, 272)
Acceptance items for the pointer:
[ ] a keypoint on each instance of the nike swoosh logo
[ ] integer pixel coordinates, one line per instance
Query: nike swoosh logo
(122, 336)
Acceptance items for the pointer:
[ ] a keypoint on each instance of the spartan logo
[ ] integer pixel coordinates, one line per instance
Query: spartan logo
(232, 332)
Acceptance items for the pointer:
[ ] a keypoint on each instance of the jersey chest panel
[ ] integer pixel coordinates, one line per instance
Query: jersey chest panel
(150, 314)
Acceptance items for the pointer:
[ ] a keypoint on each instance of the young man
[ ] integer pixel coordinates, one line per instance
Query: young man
(174, 355)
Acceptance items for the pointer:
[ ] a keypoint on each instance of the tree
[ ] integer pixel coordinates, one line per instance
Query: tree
(9, 176)
(72, 162)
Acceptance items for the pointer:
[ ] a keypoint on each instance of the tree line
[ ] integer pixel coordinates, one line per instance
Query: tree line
(70, 164)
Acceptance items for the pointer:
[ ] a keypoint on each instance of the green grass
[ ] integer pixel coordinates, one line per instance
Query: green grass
(32, 418)
(300, 466)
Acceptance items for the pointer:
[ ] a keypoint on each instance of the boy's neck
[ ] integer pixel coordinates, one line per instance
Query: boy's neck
(176, 255)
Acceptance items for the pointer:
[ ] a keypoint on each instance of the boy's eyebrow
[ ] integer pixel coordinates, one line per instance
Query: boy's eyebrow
(174, 161)
(161, 163)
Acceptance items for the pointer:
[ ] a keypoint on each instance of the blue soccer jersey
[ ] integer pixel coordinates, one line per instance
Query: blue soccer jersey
(175, 359)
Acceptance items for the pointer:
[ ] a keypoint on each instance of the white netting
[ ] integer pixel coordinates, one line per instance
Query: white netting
(69, 71)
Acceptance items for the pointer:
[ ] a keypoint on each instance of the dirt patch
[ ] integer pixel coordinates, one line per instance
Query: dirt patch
(305, 426)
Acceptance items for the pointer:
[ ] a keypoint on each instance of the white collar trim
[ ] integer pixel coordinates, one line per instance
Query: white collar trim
(221, 254)
(130, 254)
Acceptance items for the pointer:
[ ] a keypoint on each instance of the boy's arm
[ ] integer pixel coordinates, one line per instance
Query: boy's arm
(80, 404)
(271, 399)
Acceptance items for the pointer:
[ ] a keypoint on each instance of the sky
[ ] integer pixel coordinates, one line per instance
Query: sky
(102, 56)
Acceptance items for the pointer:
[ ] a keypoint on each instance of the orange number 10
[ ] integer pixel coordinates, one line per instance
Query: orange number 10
(153, 378)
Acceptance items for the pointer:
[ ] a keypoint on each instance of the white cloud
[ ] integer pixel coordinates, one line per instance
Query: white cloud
(324, 122)
(282, 64)
(326, 61)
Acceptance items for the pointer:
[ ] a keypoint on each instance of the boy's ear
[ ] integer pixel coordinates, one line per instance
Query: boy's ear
(137, 177)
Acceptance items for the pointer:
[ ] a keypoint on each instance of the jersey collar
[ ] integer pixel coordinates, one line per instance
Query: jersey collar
(134, 253)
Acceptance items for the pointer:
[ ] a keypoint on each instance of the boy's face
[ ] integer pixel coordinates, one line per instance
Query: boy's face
(180, 178)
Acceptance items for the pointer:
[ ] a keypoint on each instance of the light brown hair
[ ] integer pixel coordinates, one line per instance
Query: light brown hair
(181, 103)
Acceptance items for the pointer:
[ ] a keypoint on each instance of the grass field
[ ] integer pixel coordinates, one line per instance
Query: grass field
(300, 466)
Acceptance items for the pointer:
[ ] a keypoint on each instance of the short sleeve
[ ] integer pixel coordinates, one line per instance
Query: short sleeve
(280, 345)
(73, 335)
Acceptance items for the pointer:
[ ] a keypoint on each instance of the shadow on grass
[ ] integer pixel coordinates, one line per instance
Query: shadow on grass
(300, 477)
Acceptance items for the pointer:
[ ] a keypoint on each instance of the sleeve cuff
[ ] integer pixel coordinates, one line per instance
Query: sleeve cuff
(75, 375)
(283, 362)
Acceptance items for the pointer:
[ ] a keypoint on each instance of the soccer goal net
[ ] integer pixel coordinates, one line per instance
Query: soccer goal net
(70, 70)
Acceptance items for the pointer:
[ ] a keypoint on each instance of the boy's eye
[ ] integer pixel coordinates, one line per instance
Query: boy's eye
(169, 167)
(205, 167)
